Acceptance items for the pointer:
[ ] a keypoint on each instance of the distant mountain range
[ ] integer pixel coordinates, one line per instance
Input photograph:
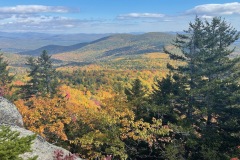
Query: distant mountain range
(85, 48)
(19, 42)
(107, 47)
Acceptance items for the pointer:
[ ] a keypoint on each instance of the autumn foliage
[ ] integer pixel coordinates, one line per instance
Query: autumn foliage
(156, 106)
(45, 116)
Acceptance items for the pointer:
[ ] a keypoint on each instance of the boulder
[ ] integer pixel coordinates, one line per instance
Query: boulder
(9, 113)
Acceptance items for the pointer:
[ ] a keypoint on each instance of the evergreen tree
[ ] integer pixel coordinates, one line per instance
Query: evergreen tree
(217, 68)
(191, 44)
(43, 80)
(136, 98)
(136, 91)
(218, 88)
(209, 79)
(5, 78)
(11, 145)
(165, 97)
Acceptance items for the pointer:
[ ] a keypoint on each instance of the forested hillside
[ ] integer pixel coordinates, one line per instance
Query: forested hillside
(135, 96)
(118, 45)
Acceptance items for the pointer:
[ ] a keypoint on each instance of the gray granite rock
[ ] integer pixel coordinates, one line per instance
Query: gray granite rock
(9, 113)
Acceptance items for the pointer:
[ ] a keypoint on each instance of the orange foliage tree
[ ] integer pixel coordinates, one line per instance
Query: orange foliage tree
(45, 116)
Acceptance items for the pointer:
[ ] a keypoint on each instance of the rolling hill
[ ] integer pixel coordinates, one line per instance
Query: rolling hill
(53, 49)
(114, 45)
(117, 45)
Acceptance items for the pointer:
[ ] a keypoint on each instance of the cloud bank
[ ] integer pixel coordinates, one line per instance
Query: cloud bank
(25, 9)
(216, 9)
(37, 18)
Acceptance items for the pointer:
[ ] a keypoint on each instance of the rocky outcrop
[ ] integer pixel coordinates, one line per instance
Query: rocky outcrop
(9, 113)
(10, 116)
(40, 147)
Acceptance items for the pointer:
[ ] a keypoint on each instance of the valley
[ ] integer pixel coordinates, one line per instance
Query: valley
(102, 51)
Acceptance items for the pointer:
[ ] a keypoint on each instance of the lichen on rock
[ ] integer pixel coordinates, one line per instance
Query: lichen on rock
(9, 113)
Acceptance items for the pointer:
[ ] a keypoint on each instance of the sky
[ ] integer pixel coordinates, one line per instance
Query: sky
(111, 16)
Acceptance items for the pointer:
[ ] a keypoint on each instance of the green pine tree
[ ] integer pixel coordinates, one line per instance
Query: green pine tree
(165, 97)
(136, 91)
(43, 80)
(191, 44)
(209, 79)
(11, 145)
(136, 96)
(217, 90)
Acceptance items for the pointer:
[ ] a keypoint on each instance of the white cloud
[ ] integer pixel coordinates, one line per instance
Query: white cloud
(41, 23)
(36, 18)
(26, 9)
(216, 9)
(140, 15)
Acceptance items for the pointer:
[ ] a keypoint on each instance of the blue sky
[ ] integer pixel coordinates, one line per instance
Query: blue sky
(111, 16)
